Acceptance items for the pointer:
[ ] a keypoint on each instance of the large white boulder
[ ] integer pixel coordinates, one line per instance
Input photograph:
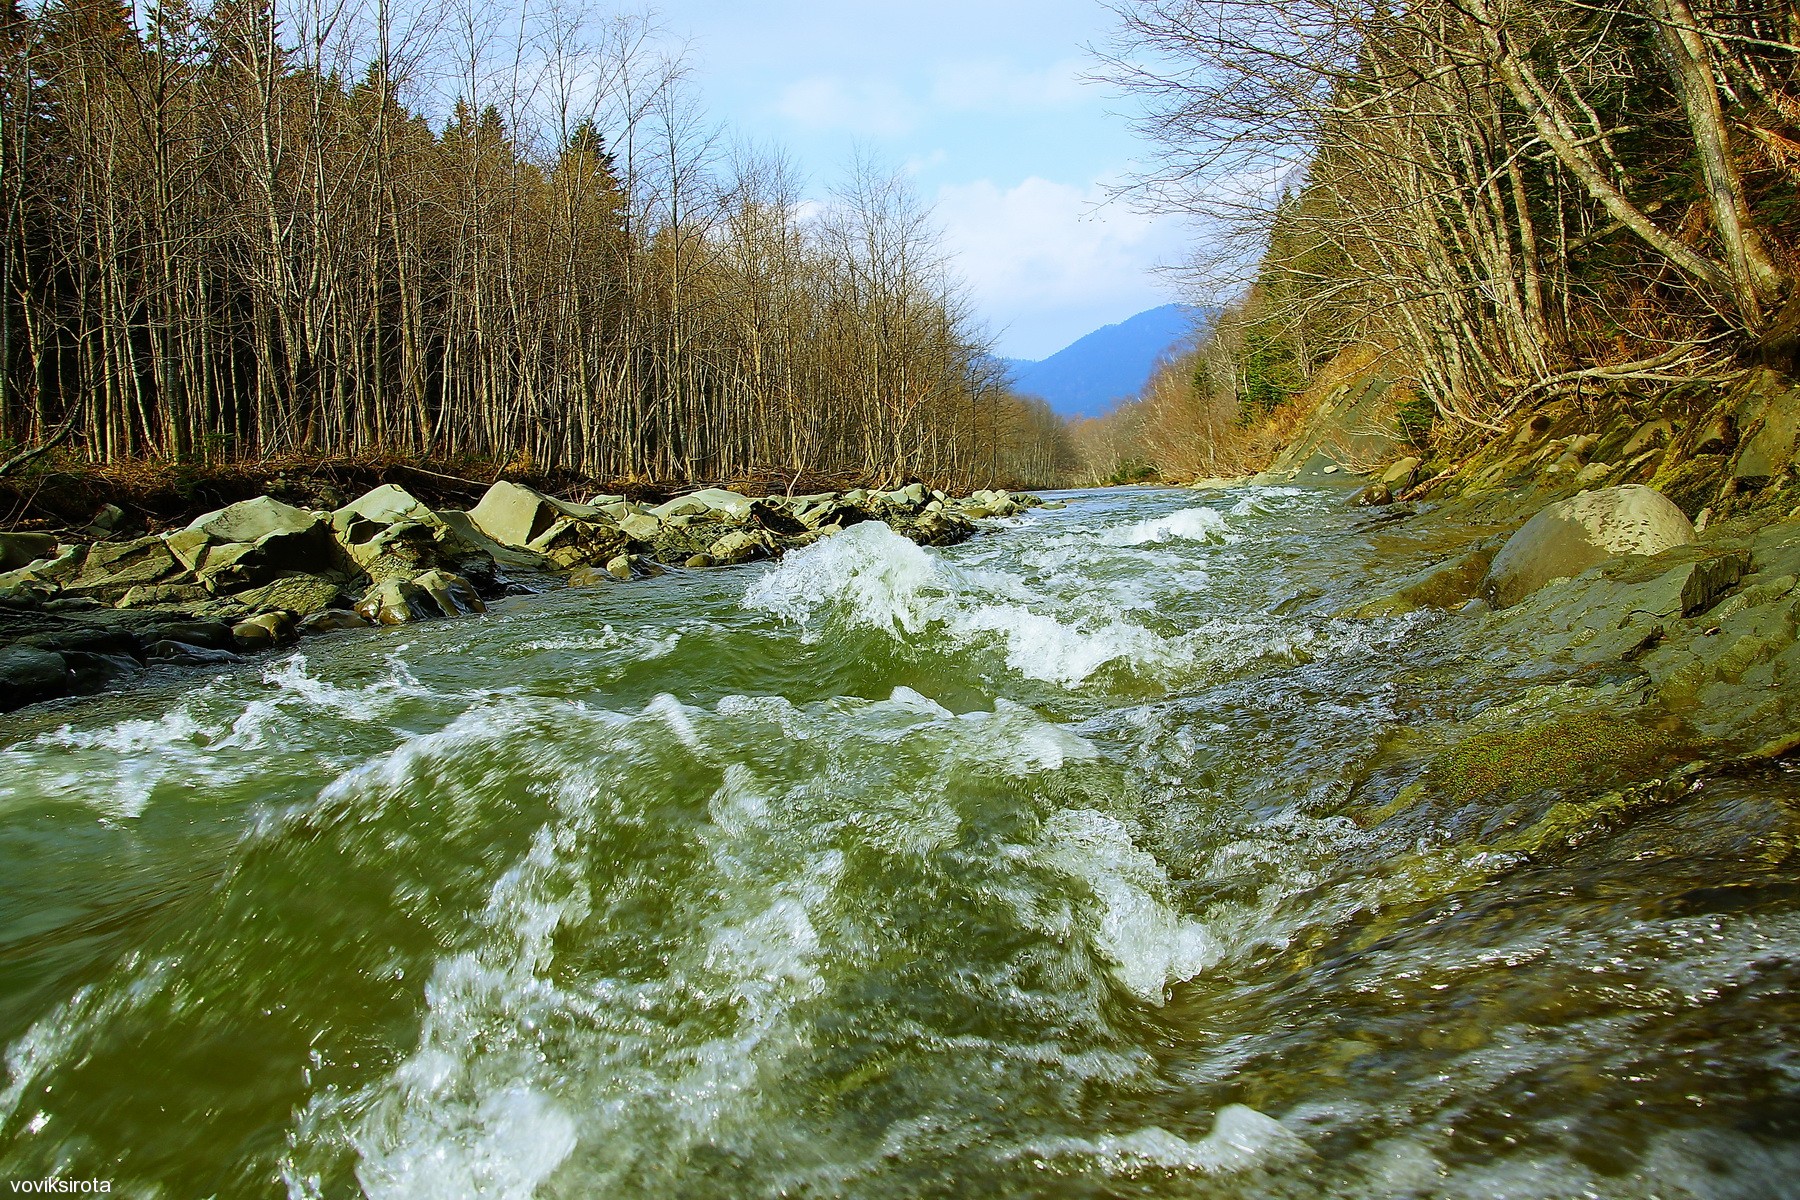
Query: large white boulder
(1569, 536)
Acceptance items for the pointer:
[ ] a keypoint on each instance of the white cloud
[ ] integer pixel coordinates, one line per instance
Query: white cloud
(884, 108)
(992, 86)
(1048, 262)
(871, 107)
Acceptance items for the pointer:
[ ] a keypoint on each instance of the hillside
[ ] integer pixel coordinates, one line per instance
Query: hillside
(1086, 377)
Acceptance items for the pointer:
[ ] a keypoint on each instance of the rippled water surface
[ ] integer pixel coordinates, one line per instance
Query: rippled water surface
(1022, 868)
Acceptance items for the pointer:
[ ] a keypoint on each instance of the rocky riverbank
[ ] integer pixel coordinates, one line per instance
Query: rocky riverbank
(80, 616)
(1639, 559)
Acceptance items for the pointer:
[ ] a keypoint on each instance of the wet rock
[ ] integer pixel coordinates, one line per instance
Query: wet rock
(397, 602)
(185, 654)
(261, 632)
(452, 594)
(1401, 473)
(574, 541)
(29, 674)
(1569, 536)
(22, 549)
(331, 620)
(700, 560)
(1442, 585)
(1375, 496)
(91, 673)
(213, 635)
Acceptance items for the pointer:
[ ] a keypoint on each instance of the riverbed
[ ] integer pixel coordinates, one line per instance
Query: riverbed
(1042, 865)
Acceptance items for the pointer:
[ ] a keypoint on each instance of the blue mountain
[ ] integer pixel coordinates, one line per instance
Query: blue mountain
(1090, 375)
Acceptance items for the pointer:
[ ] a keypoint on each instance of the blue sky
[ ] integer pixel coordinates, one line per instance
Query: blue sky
(981, 101)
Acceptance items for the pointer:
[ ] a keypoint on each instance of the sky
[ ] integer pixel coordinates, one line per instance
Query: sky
(982, 103)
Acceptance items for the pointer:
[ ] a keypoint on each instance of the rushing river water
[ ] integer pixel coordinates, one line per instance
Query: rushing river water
(1020, 868)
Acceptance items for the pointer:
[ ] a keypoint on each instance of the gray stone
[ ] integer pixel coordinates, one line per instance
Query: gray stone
(515, 515)
(1569, 536)
(639, 527)
(253, 520)
(731, 505)
(1766, 452)
(1401, 473)
(171, 594)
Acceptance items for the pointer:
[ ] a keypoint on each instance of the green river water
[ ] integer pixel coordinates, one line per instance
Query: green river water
(1021, 868)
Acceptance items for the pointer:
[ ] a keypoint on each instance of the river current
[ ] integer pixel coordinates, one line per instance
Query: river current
(1026, 867)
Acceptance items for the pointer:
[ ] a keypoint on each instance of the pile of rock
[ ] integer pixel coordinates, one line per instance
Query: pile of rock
(75, 617)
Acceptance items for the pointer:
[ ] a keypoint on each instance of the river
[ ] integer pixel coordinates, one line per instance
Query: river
(1022, 868)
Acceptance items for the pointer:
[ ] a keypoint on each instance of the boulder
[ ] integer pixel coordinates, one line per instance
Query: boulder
(22, 549)
(28, 674)
(451, 593)
(1401, 473)
(639, 527)
(1375, 495)
(740, 546)
(397, 602)
(389, 534)
(574, 541)
(1443, 585)
(260, 632)
(620, 567)
(254, 541)
(1569, 536)
(514, 557)
(700, 560)
(515, 515)
(331, 620)
(729, 505)
(776, 518)
(185, 654)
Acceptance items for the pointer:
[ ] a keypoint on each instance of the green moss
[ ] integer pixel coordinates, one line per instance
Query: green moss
(1564, 754)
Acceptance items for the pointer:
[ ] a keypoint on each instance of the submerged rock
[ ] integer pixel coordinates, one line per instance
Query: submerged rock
(1569, 536)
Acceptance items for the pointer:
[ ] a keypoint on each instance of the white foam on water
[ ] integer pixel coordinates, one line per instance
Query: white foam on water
(1188, 525)
(212, 738)
(632, 645)
(870, 577)
(1149, 944)
(1241, 1139)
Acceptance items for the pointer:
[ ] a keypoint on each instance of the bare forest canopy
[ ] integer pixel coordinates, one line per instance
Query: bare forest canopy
(231, 233)
(1515, 200)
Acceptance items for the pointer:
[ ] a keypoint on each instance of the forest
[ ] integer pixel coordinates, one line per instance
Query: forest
(465, 233)
(1515, 199)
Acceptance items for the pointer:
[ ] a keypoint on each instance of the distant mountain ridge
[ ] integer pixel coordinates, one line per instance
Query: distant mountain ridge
(1088, 376)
